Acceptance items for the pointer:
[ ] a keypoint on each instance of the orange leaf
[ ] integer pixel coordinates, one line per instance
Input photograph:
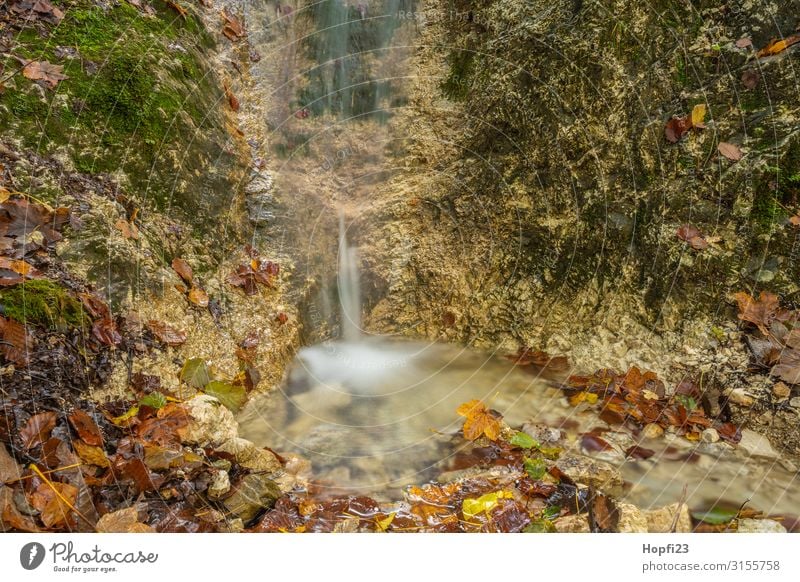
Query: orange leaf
(479, 421)
(183, 269)
(778, 46)
(86, 428)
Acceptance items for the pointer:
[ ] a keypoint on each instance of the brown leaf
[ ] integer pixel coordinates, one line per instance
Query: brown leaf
(637, 452)
(233, 28)
(743, 43)
(54, 508)
(183, 269)
(37, 429)
(105, 331)
(676, 127)
(9, 468)
(164, 428)
(178, 8)
(144, 480)
(750, 79)
(10, 516)
(197, 296)
(16, 342)
(479, 421)
(122, 521)
(128, 229)
(761, 312)
(166, 333)
(91, 455)
(232, 100)
(48, 73)
(603, 514)
(730, 151)
(86, 428)
(691, 235)
(795, 220)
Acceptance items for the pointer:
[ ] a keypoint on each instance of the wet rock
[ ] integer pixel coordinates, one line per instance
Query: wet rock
(757, 445)
(250, 456)
(211, 423)
(760, 526)
(260, 208)
(631, 519)
(542, 433)
(600, 475)
(252, 494)
(652, 431)
(220, 485)
(572, 524)
(660, 520)
(739, 396)
(795, 402)
(709, 435)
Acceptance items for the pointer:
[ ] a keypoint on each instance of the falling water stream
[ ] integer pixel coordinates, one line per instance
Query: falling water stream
(373, 414)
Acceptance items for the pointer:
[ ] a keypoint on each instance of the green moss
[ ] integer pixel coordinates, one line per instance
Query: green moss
(456, 85)
(138, 86)
(42, 302)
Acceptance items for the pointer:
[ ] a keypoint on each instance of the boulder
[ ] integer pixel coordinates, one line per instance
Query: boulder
(251, 495)
(631, 519)
(210, 423)
(660, 520)
(250, 456)
(601, 475)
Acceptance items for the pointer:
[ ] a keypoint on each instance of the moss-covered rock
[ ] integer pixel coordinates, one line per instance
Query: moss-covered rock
(43, 303)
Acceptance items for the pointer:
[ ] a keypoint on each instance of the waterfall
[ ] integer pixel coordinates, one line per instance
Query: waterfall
(349, 287)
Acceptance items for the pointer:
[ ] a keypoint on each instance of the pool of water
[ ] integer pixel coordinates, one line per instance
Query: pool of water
(374, 415)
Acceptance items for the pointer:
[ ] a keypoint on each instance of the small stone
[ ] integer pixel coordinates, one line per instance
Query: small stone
(572, 524)
(631, 519)
(739, 396)
(652, 431)
(660, 520)
(603, 476)
(760, 526)
(250, 456)
(781, 391)
(220, 485)
(757, 445)
(210, 423)
(795, 402)
(252, 494)
(542, 433)
(709, 435)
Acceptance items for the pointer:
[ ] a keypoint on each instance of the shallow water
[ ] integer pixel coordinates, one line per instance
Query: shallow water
(375, 415)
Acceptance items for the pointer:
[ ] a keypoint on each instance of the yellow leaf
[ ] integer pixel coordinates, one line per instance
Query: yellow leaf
(122, 419)
(90, 455)
(383, 524)
(698, 115)
(483, 504)
(588, 397)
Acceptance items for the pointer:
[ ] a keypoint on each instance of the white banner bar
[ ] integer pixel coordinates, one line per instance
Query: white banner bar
(355, 557)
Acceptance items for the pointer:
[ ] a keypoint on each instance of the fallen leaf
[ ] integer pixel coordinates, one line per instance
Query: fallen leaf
(795, 220)
(233, 102)
(198, 296)
(692, 235)
(128, 229)
(55, 501)
(123, 521)
(165, 333)
(10, 516)
(163, 429)
(730, 151)
(10, 470)
(716, 515)
(750, 78)
(603, 514)
(16, 342)
(535, 468)
(761, 312)
(195, 373)
(698, 116)
(105, 331)
(44, 71)
(233, 28)
(479, 421)
(676, 128)
(483, 504)
(523, 440)
(743, 43)
(86, 428)
(230, 396)
(778, 46)
(90, 454)
(37, 429)
(637, 452)
(183, 269)
(182, 12)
